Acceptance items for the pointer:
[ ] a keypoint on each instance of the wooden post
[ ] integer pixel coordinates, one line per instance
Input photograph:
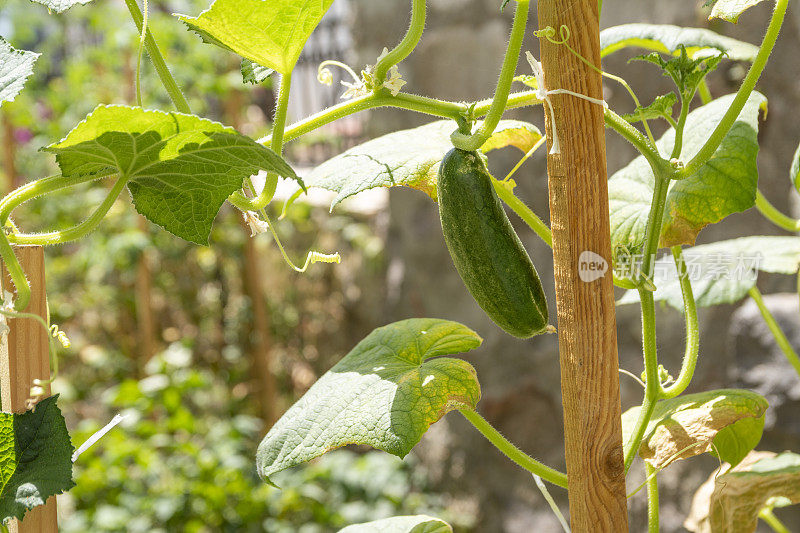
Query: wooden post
(579, 216)
(25, 357)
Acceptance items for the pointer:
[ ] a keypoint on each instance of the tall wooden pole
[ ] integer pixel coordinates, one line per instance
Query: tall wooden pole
(25, 357)
(579, 217)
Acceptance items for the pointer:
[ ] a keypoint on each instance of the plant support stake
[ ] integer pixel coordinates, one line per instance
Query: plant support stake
(577, 181)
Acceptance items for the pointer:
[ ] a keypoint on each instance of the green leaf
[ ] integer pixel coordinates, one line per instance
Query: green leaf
(726, 184)
(401, 524)
(731, 499)
(35, 458)
(385, 393)
(15, 68)
(59, 6)
(181, 167)
(408, 157)
(270, 33)
(668, 39)
(686, 72)
(254, 73)
(722, 272)
(689, 425)
(729, 9)
(794, 171)
(660, 108)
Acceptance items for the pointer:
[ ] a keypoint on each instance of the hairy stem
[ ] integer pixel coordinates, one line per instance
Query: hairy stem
(679, 127)
(512, 452)
(173, 90)
(772, 521)
(407, 45)
(704, 92)
(15, 271)
(772, 214)
(692, 330)
(38, 188)
(775, 329)
(503, 89)
(652, 499)
(524, 212)
(633, 136)
(748, 85)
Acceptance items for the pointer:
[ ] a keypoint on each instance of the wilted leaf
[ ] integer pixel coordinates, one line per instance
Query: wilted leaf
(270, 33)
(15, 68)
(408, 157)
(385, 393)
(730, 9)
(668, 39)
(401, 524)
(722, 272)
(726, 184)
(35, 458)
(689, 425)
(181, 167)
(731, 501)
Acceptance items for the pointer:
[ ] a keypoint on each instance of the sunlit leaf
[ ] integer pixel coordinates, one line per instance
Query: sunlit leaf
(689, 425)
(35, 458)
(60, 6)
(408, 157)
(401, 524)
(385, 393)
(254, 73)
(668, 39)
(660, 108)
(726, 184)
(181, 167)
(270, 33)
(15, 68)
(730, 9)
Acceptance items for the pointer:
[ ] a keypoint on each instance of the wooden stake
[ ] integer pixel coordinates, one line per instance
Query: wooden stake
(25, 357)
(578, 185)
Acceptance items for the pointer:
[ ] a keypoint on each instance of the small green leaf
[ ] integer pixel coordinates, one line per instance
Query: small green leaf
(385, 393)
(686, 72)
(181, 167)
(689, 425)
(270, 33)
(726, 184)
(35, 458)
(401, 524)
(669, 39)
(254, 73)
(731, 499)
(794, 171)
(729, 9)
(59, 6)
(660, 108)
(15, 68)
(722, 272)
(408, 157)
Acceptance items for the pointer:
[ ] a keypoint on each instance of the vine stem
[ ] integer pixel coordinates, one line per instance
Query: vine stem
(512, 452)
(171, 86)
(772, 521)
(523, 211)
(747, 87)
(772, 214)
(677, 148)
(775, 328)
(15, 271)
(652, 499)
(503, 89)
(407, 45)
(692, 329)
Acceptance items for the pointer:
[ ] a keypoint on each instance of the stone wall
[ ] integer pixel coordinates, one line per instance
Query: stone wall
(459, 59)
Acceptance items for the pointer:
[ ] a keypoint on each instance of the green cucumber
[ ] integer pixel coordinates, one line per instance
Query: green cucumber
(485, 249)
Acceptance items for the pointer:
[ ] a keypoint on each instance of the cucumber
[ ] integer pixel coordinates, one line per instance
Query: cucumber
(485, 249)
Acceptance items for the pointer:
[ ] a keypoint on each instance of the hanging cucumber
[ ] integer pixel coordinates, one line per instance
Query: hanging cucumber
(485, 249)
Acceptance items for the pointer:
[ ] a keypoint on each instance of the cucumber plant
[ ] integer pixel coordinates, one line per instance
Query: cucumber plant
(180, 168)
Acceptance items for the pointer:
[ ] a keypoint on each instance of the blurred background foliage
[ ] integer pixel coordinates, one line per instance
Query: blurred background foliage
(178, 337)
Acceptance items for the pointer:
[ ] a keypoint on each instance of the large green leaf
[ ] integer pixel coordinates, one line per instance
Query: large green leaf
(731, 499)
(15, 68)
(408, 157)
(668, 39)
(794, 170)
(60, 6)
(35, 458)
(181, 167)
(726, 184)
(722, 272)
(270, 33)
(689, 425)
(401, 524)
(730, 9)
(385, 393)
